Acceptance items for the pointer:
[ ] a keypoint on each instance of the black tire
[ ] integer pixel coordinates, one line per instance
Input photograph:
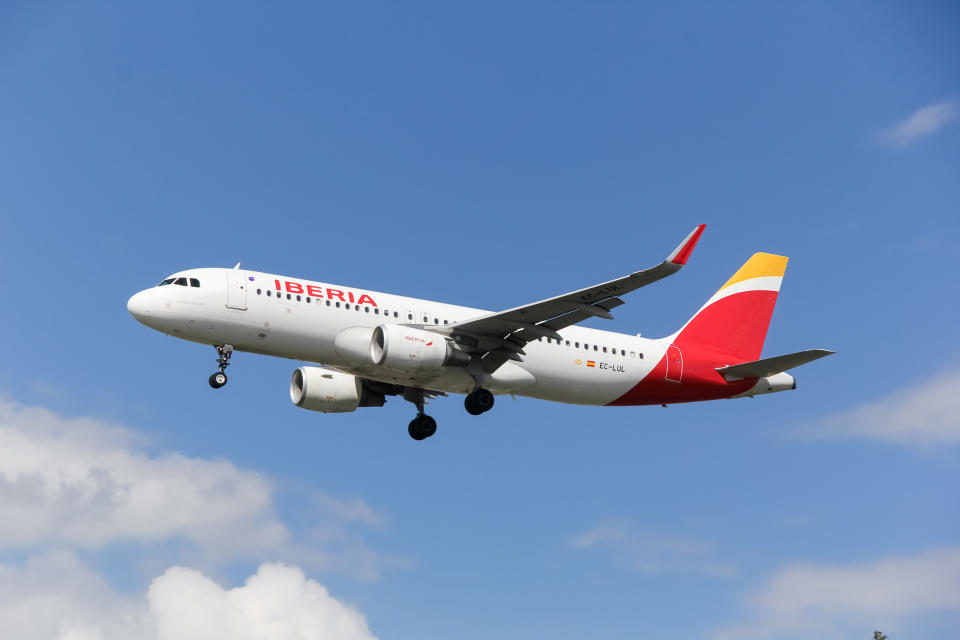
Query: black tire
(482, 400)
(428, 426)
(471, 406)
(415, 431)
(218, 379)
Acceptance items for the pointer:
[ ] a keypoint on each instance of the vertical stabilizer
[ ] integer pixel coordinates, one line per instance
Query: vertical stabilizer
(735, 320)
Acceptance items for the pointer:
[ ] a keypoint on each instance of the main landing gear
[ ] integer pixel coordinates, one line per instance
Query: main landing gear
(479, 401)
(423, 426)
(218, 379)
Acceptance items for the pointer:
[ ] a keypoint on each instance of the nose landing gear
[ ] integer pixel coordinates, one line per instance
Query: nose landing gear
(218, 379)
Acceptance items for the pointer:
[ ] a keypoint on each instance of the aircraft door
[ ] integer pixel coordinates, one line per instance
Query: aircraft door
(236, 289)
(674, 364)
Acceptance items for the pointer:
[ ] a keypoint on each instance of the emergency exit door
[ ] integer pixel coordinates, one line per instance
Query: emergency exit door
(674, 364)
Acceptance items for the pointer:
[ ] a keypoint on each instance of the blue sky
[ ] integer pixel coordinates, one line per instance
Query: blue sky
(485, 156)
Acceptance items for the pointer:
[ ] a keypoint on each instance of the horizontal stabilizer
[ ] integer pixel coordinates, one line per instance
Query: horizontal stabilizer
(769, 366)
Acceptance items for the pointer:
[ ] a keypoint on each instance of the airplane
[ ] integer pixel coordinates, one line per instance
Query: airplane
(368, 345)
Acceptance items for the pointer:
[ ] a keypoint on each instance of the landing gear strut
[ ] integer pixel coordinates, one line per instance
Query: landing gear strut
(423, 426)
(479, 401)
(218, 379)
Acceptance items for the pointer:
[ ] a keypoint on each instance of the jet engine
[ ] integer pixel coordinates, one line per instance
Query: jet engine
(320, 389)
(400, 348)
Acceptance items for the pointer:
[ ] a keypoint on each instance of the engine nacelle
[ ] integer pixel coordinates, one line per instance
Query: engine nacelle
(323, 390)
(400, 348)
(771, 384)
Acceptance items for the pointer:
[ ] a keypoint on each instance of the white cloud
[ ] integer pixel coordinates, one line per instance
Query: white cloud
(805, 601)
(75, 482)
(82, 483)
(921, 123)
(651, 554)
(55, 597)
(925, 414)
(277, 603)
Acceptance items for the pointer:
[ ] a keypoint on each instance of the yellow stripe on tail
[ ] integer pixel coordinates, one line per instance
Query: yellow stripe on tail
(758, 266)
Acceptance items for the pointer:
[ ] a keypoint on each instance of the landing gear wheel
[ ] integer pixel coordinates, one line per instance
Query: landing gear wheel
(224, 351)
(479, 401)
(470, 406)
(421, 427)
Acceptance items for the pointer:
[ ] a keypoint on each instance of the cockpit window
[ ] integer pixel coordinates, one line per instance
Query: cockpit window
(181, 281)
(166, 282)
(194, 282)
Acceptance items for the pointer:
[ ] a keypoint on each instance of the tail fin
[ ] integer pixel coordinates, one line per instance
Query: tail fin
(735, 320)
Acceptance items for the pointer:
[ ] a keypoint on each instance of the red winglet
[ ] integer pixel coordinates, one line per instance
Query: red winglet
(682, 253)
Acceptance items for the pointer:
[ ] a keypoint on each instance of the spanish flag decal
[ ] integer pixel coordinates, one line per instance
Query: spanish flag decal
(591, 363)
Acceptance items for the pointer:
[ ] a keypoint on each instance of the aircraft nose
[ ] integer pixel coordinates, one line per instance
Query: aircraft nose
(137, 306)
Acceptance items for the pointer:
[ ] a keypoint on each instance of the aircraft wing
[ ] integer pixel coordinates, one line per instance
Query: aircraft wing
(501, 336)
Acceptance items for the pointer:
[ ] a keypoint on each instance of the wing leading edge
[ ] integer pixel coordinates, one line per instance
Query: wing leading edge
(500, 336)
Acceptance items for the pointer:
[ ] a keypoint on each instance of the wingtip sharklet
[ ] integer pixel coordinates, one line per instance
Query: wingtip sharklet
(682, 253)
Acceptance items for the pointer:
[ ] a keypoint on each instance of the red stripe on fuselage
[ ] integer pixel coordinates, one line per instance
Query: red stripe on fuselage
(729, 331)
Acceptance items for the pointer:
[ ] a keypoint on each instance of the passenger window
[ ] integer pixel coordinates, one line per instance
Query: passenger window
(445, 322)
(396, 315)
(604, 349)
(623, 352)
(269, 293)
(436, 321)
(576, 344)
(641, 356)
(194, 282)
(338, 305)
(166, 282)
(366, 309)
(409, 316)
(568, 343)
(328, 303)
(289, 297)
(376, 312)
(298, 298)
(586, 346)
(181, 281)
(308, 298)
(595, 348)
(633, 354)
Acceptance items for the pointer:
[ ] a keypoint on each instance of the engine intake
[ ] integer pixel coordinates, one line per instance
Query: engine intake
(410, 350)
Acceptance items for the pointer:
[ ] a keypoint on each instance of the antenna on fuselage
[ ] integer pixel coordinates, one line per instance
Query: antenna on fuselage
(236, 267)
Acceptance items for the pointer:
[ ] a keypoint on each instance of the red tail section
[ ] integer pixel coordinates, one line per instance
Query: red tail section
(735, 320)
(729, 329)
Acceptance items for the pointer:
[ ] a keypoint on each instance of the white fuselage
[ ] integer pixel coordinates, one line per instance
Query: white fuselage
(300, 319)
